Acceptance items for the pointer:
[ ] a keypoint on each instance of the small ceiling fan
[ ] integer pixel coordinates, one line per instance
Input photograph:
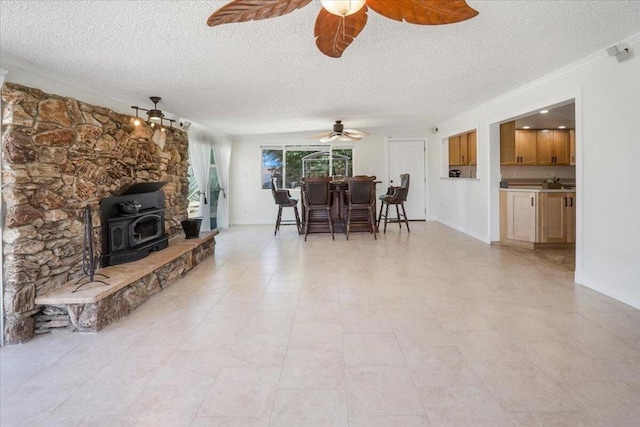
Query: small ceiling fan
(341, 134)
(340, 21)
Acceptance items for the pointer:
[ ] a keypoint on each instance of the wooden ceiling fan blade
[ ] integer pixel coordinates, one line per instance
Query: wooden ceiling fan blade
(335, 33)
(321, 135)
(250, 10)
(330, 138)
(424, 12)
(347, 137)
(357, 133)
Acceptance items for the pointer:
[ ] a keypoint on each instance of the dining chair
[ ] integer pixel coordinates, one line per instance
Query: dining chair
(283, 199)
(316, 198)
(361, 199)
(395, 196)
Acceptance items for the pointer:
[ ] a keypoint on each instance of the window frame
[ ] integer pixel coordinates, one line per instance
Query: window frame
(314, 148)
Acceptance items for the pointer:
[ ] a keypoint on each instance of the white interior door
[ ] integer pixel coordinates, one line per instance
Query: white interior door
(408, 156)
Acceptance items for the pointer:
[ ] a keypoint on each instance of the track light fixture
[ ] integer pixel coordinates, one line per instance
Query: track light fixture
(154, 115)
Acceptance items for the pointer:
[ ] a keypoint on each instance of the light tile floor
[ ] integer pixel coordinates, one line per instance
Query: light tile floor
(428, 328)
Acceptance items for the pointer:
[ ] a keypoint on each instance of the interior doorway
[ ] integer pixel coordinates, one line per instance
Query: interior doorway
(539, 186)
(408, 156)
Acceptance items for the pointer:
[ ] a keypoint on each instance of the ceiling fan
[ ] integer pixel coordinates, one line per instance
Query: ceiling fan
(341, 134)
(340, 21)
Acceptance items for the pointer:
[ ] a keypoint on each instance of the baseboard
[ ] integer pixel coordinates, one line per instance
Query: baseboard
(466, 231)
(254, 222)
(631, 300)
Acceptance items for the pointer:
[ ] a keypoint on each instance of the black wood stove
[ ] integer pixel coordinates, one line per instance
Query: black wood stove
(133, 224)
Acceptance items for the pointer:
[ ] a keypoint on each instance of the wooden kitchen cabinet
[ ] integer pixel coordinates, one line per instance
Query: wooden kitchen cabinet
(570, 217)
(552, 147)
(517, 147)
(552, 219)
(557, 217)
(462, 148)
(572, 147)
(561, 147)
(537, 218)
(454, 150)
(526, 147)
(521, 216)
(472, 148)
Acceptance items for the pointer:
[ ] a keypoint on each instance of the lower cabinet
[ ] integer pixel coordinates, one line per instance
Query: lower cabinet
(537, 218)
(521, 216)
(557, 222)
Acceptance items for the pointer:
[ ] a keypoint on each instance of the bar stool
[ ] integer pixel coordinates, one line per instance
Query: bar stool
(283, 199)
(395, 196)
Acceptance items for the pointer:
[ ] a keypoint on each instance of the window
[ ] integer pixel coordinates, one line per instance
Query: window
(272, 166)
(296, 162)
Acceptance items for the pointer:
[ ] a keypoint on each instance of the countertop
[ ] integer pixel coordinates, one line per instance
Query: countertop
(539, 189)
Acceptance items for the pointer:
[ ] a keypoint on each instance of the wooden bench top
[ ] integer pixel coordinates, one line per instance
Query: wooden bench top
(122, 275)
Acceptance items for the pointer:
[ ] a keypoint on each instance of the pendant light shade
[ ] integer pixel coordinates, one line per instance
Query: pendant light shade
(154, 115)
(343, 7)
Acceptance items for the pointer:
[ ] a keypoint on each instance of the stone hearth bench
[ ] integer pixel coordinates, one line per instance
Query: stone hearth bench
(95, 305)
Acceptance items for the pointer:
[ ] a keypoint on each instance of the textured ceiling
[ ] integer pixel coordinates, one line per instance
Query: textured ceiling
(268, 77)
(556, 116)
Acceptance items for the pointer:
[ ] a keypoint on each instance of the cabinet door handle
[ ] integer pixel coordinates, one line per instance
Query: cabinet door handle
(571, 198)
(462, 159)
(565, 201)
(532, 201)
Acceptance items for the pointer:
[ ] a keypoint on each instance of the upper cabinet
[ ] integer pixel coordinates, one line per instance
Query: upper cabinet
(572, 147)
(520, 147)
(462, 149)
(454, 151)
(552, 147)
(517, 147)
(526, 147)
(472, 148)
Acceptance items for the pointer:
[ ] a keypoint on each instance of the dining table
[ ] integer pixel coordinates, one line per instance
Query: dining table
(339, 209)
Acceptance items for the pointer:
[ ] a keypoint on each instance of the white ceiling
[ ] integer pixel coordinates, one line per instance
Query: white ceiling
(268, 76)
(556, 116)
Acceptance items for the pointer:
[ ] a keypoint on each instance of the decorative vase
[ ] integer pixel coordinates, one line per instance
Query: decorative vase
(191, 227)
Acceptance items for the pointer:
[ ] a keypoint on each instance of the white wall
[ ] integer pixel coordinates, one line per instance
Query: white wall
(607, 97)
(250, 204)
(28, 74)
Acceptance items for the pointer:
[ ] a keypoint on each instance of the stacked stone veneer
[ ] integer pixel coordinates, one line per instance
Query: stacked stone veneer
(93, 317)
(60, 155)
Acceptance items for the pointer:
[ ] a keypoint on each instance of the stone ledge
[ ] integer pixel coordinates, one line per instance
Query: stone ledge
(122, 275)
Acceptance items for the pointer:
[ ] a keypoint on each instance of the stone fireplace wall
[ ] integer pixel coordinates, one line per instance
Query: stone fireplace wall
(60, 155)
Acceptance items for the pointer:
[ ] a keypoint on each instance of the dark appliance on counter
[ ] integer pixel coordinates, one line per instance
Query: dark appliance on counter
(455, 173)
(133, 224)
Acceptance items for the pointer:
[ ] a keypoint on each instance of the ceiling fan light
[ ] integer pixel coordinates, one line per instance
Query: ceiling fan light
(343, 7)
(155, 115)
